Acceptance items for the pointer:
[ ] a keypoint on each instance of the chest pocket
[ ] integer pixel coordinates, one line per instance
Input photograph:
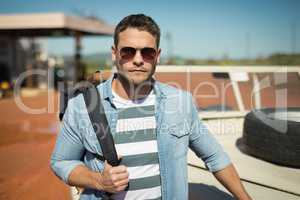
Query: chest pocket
(178, 136)
(178, 130)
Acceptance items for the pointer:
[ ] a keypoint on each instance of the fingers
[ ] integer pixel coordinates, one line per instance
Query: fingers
(117, 183)
(121, 183)
(117, 189)
(115, 179)
(120, 188)
(114, 170)
(120, 177)
(118, 170)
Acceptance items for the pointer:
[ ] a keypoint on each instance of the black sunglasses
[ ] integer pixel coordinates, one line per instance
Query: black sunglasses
(128, 53)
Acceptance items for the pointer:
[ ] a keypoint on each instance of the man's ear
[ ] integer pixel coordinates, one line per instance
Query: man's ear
(158, 56)
(113, 53)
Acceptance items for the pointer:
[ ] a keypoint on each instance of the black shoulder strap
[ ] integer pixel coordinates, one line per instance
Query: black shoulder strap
(98, 119)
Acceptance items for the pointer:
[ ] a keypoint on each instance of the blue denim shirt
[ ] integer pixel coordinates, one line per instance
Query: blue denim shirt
(178, 128)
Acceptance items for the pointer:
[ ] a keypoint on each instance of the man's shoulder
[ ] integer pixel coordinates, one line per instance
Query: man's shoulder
(170, 90)
(77, 96)
(76, 104)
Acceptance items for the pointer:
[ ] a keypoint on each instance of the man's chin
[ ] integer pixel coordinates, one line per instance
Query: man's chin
(138, 82)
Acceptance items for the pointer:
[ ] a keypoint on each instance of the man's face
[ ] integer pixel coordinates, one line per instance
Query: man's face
(136, 68)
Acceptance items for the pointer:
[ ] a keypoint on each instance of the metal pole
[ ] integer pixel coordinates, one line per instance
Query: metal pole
(78, 70)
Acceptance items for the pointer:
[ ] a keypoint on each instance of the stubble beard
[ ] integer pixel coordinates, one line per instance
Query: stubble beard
(134, 87)
(132, 84)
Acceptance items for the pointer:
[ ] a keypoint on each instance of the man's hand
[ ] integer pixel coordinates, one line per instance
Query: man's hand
(114, 179)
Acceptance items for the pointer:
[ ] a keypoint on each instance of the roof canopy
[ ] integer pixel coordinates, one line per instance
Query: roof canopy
(51, 24)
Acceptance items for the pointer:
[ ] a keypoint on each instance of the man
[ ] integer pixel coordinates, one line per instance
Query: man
(153, 125)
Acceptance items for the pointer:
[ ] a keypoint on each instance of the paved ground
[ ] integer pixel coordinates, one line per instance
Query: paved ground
(263, 180)
(26, 143)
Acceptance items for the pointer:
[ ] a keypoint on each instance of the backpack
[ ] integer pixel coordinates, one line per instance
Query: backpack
(97, 117)
(100, 125)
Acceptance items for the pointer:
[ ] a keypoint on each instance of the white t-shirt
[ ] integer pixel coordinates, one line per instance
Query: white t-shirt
(136, 142)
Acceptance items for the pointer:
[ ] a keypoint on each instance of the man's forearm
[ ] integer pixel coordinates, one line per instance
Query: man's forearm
(83, 177)
(230, 179)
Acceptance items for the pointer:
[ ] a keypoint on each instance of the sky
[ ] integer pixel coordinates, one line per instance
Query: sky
(199, 28)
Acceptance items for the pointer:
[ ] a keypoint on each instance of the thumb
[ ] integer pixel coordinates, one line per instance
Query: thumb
(107, 165)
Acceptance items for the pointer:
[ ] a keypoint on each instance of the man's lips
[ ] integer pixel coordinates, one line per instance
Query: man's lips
(137, 70)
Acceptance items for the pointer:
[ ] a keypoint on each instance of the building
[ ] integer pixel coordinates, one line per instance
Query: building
(17, 56)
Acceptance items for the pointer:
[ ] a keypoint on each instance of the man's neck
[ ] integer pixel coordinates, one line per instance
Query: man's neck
(127, 90)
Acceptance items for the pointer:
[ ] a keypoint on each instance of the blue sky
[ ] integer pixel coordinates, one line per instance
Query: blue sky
(199, 29)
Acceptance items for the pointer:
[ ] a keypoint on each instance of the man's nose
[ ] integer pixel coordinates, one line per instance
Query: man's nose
(138, 58)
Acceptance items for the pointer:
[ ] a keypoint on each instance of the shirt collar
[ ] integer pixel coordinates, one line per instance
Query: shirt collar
(107, 88)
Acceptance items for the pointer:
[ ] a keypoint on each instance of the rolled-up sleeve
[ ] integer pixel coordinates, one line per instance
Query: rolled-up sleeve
(204, 145)
(69, 148)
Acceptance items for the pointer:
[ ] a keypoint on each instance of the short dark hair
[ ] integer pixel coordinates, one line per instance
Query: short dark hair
(140, 22)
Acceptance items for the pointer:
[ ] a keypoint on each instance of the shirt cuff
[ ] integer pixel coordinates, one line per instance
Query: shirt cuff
(219, 163)
(64, 168)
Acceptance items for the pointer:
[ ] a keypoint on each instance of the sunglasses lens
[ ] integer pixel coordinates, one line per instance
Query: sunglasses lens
(148, 54)
(127, 53)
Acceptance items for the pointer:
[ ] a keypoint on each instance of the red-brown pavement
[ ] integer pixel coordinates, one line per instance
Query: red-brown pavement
(26, 143)
(27, 140)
